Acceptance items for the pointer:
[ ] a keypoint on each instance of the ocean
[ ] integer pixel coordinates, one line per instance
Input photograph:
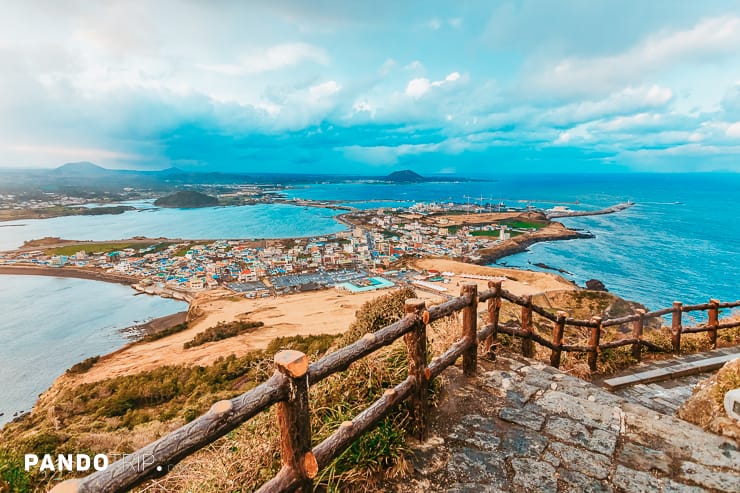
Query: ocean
(48, 324)
(250, 221)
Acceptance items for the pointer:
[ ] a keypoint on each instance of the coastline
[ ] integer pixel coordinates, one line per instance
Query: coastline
(519, 244)
(66, 331)
(29, 270)
(7, 215)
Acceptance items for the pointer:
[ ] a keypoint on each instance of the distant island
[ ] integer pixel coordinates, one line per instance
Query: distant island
(409, 176)
(187, 199)
(405, 176)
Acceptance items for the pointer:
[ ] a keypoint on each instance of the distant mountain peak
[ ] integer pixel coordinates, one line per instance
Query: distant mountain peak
(81, 167)
(406, 176)
(172, 171)
(187, 199)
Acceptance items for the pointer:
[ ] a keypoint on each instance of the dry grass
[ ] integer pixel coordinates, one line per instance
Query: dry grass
(249, 455)
(705, 407)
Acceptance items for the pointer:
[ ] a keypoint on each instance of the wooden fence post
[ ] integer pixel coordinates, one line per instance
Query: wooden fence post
(494, 309)
(557, 339)
(594, 343)
(416, 348)
(470, 329)
(713, 314)
(637, 328)
(676, 327)
(294, 419)
(527, 342)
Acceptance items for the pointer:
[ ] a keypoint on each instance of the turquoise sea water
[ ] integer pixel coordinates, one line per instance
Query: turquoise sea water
(48, 324)
(255, 221)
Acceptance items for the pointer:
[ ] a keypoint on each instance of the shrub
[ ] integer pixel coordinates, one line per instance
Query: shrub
(377, 313)
(83, 366)
(222, 331)
(164, 333)
(12, 475)
(313, 346)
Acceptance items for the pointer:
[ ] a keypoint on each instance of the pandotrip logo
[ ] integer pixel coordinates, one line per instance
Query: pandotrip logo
(65, 462)
(86, 463)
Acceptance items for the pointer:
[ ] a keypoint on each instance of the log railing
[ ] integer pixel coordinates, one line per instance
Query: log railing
(294, 374)
(597, 326)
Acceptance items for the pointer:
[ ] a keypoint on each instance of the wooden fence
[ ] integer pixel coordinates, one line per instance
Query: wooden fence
(288, 386)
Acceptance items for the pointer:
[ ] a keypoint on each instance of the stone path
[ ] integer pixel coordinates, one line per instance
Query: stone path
(664, 397)
(522, 426)
(676, 367)
(670, 391)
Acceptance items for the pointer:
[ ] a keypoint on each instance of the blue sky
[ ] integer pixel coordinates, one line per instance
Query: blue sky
(463, 87)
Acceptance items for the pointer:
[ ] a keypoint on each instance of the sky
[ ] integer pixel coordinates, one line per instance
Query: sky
(466, 87)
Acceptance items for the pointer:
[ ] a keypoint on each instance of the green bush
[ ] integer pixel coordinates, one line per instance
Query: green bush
(83, 366)
(164, 333)
(221, 331)
(313, 346)
(377, 313)
(12, 475)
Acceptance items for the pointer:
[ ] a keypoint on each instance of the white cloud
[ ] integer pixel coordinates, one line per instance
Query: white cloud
(572, 136)
(383, 155)
(379, 155)
(632, 121)
(387, 66)
(710, 38)
(284, 55)
(455, 22)
(324, 90)
(414, 66)
(623, 102)
(270, 59)
(416, 88)
(733, 130)
(434, 24)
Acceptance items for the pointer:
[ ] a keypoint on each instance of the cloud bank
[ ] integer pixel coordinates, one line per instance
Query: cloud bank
(481, 89)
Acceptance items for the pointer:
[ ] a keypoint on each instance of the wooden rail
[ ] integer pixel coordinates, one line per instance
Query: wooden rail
(294, 374)
(596, 326)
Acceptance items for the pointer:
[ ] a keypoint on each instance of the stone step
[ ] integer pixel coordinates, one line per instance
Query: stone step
(676, 370)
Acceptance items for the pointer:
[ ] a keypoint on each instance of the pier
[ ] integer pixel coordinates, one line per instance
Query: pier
(608, 210)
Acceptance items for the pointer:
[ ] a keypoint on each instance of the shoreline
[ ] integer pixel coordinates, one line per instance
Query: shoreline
(27, 215)
(29, 270)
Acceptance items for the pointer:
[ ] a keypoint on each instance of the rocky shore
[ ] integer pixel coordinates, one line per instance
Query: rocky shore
(552, 232)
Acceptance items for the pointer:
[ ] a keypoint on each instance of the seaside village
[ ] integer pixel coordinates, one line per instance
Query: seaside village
(356, 260)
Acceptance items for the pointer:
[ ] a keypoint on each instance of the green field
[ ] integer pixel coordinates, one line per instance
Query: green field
(514, 223)
(493, 233)
(69, 250)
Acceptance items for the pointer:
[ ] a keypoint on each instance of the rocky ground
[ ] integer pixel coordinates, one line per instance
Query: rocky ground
(523, 426)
